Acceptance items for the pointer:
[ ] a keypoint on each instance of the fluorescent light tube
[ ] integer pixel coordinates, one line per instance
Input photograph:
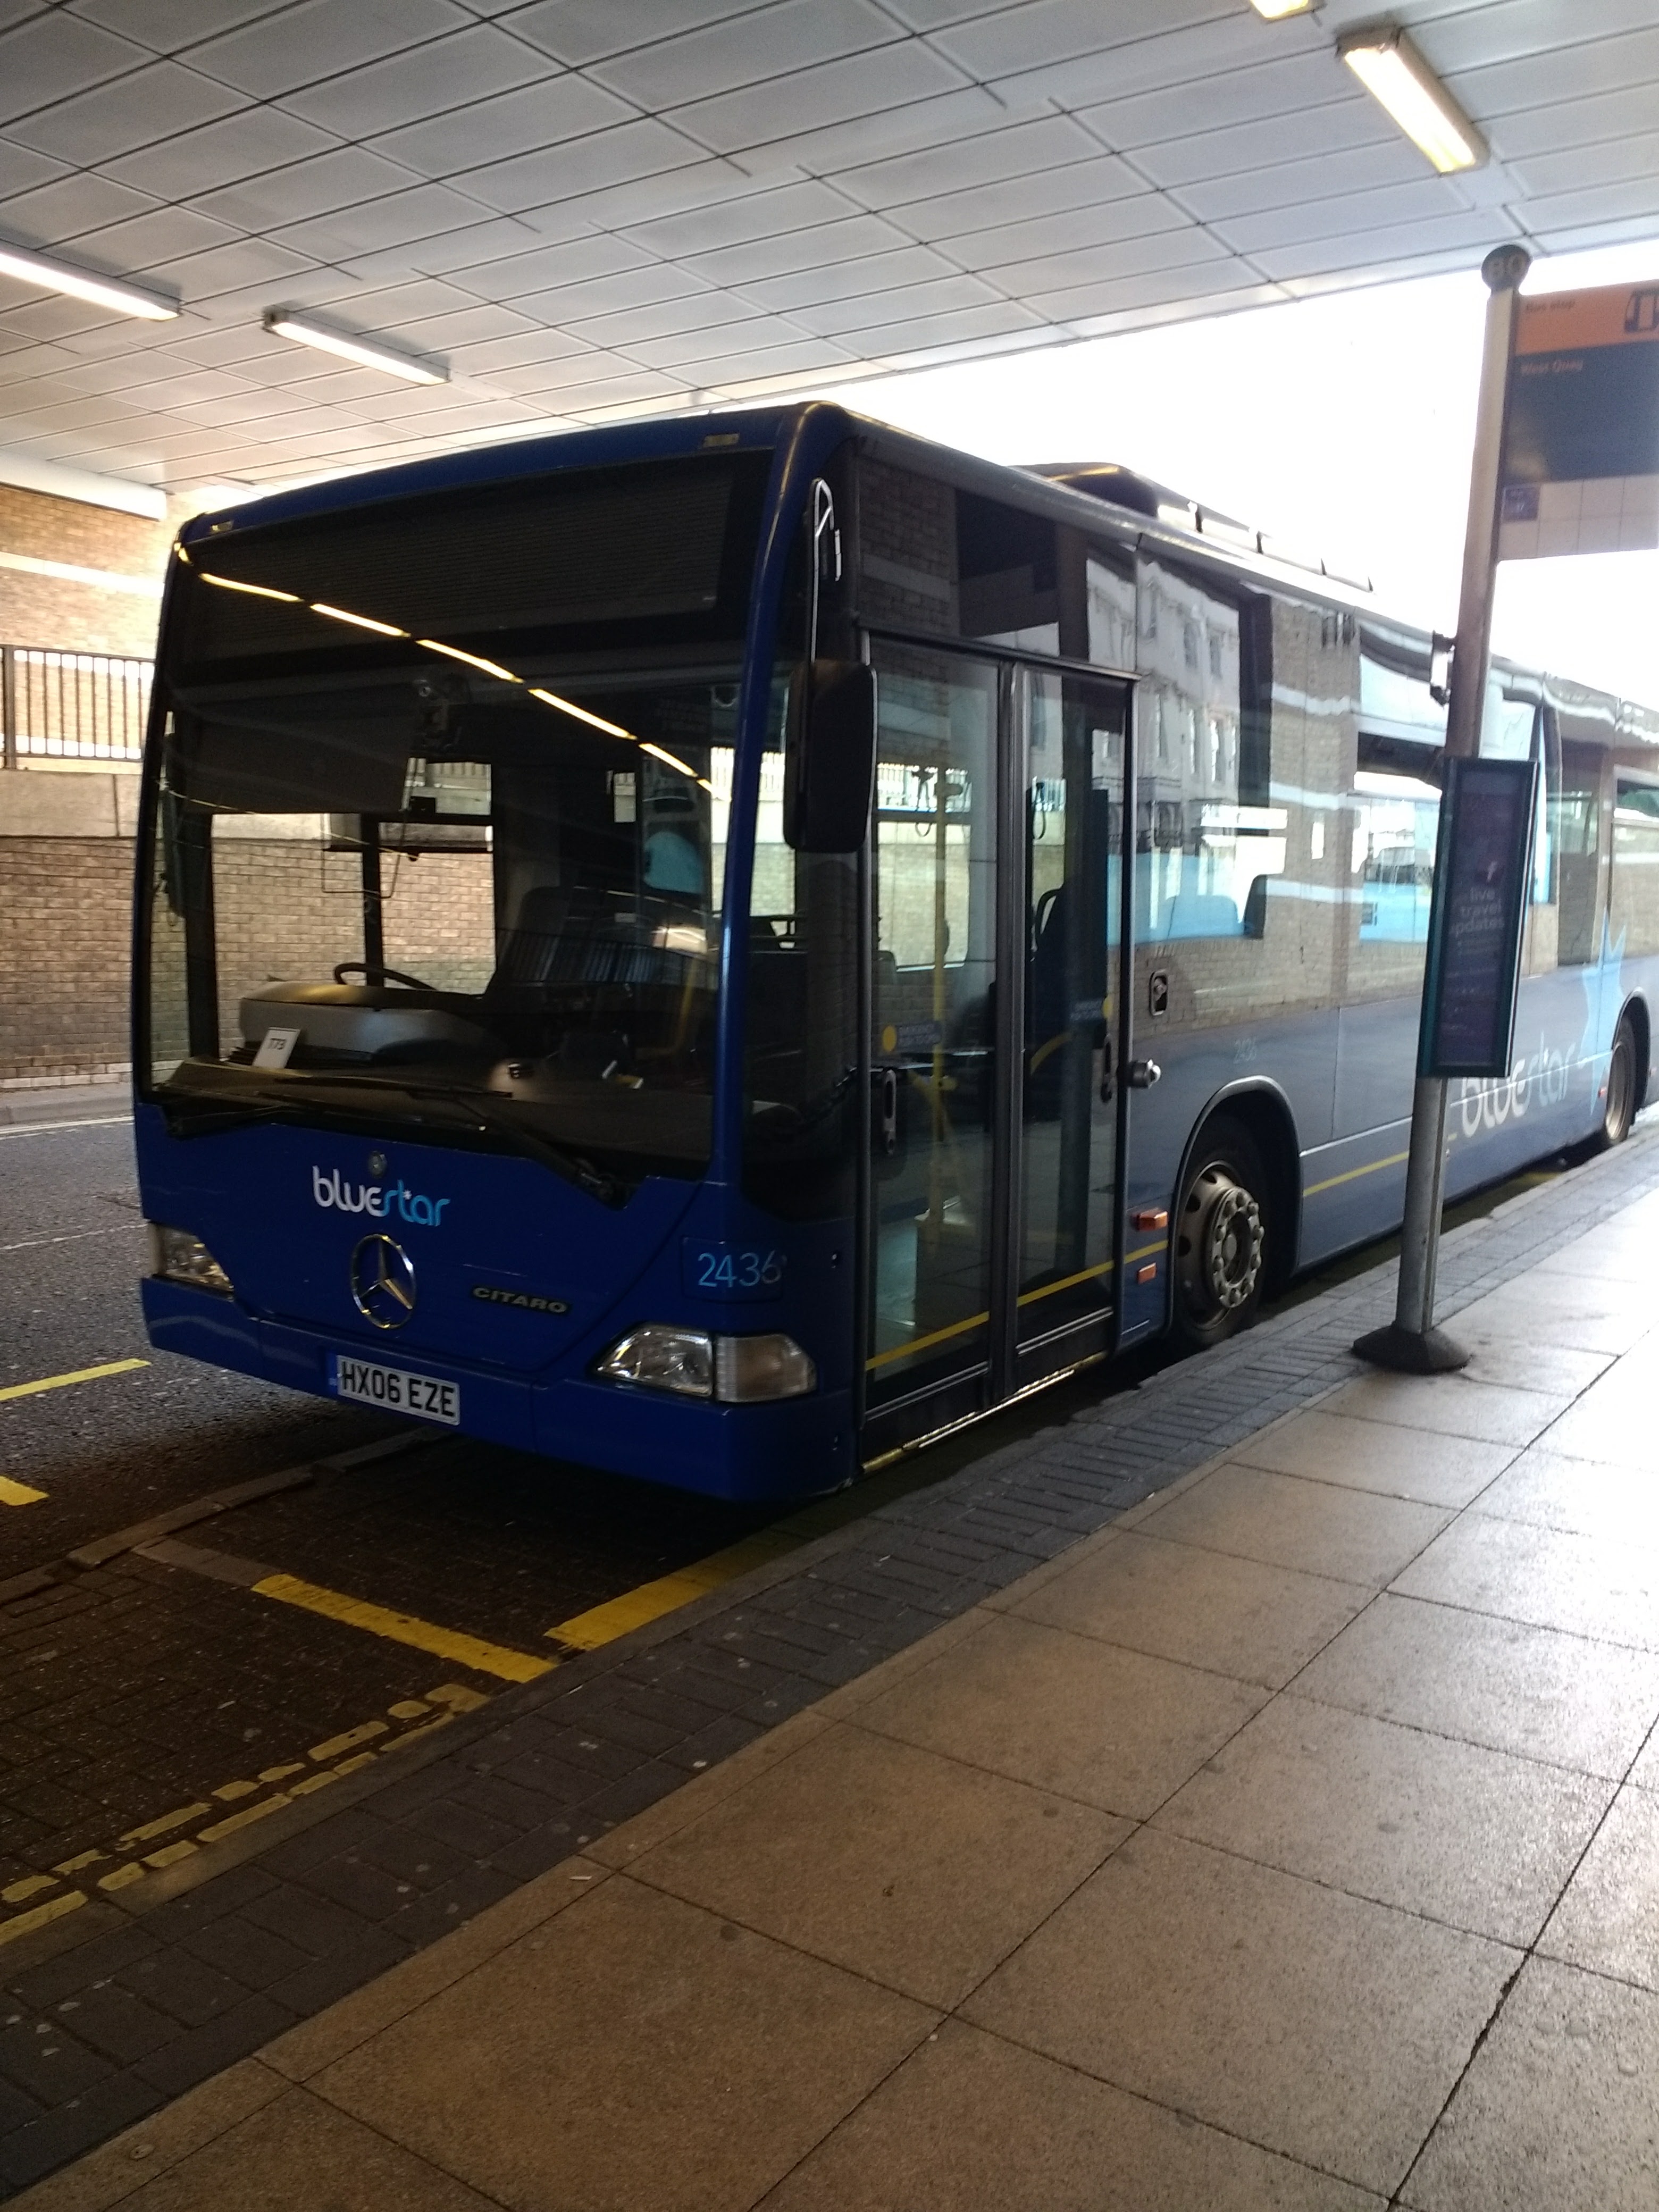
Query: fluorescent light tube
(1272, 10)
(1396, 75)
(288, 324)
(50, 276)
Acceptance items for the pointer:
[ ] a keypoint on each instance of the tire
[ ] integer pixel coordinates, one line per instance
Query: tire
(1219, 1248)
(1619, 1109)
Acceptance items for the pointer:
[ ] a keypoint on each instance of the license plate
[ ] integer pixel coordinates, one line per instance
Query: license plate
(395, 1390)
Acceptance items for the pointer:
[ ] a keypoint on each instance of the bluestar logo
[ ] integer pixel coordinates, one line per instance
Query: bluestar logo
(375, 1199)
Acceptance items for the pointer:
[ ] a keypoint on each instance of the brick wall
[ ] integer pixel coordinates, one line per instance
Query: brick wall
(65, 614)
(64, 908)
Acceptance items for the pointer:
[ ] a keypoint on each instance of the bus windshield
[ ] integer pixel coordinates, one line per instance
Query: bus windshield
(440, 831)
(439, 886)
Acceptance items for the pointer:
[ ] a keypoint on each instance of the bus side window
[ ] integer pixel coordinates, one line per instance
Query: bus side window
(1576, 835)
(1635, 864)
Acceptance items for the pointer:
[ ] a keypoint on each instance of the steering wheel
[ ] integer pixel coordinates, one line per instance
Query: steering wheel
(388, 974)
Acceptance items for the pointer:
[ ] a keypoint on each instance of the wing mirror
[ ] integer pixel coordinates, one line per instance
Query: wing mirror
(830, 762)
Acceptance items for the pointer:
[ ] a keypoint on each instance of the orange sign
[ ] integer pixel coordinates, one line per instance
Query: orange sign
(1564, 322)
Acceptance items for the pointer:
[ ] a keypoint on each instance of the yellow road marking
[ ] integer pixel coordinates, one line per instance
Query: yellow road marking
(42, 1916)
(62, 1382)
(348, 1741)
(1354, 1174)
(31, 1885)
(409, 1708)
(403, 1628)
(18, 1493)
(170, 1854)
(603, 1623)
(123, 1877)
(232, 1821)
(228, 1792)
(174, 1820)
(80, 1862)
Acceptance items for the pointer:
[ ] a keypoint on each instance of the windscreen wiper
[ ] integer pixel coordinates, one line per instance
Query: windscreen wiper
(529, 1143)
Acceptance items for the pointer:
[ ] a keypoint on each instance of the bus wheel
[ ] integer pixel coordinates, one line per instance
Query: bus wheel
(1619, 1110)
(1220, 1241)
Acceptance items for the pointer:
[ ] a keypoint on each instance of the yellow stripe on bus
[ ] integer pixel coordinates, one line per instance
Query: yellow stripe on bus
(62, 1382)
(1352, 1175)
(471, 1651)
(1025, 1298)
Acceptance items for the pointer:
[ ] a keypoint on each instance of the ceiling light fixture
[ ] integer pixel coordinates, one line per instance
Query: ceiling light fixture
(1272, 10)
(51, 276)
(1396, 75)
(289, 323)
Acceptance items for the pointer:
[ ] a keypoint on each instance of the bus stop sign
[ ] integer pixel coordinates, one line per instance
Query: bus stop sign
(1482, 875)
(1580, 470)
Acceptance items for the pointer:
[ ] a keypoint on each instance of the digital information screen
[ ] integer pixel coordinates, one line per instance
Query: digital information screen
(1482, 876)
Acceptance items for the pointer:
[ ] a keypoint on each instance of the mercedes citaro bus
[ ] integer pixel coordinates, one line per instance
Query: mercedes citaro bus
(716, 949)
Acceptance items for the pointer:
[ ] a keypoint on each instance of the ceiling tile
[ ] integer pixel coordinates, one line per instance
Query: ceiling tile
(864, 311)
(802, 289)
(1049, 31)
(571, 263)
(1338, 125)
(763, 42)
(1612, 162)
(816, 146)
(1137, 300)
(358, 308)
(720, 341)
(1598, 65)
(72, 205)
(855, 237)
(52, 57)
(1020, 199)
(1519, 29)
(807, 99)
(319, 39)
(1636, 197)
(164, 26)
(579, 30)
(198, 161)
(21, 168)
(1427, 200)
(604, 295)
(534, 116)
(799, 359)
(1472, 232)
(462, 326)
(734, 220)
(342, 177)
(663, 319)
(503, 356)
(221, 269)
(1275, 88)
(1289, 184)
(410, 87)
(151, 103)
(162, 233)
(582, 165)
(1016, 242)
(421, 212)
(1566, 123)
(1094, 265)
(1190, 57)
(912, 334)
(981, 160)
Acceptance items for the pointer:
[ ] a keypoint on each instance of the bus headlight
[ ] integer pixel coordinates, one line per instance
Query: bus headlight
(736, 1370)
(178, 1257)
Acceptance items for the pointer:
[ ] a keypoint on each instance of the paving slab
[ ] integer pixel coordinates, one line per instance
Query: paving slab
(1242, 1618)
(970, 2121)
(1323, 2027)
(1607, 1920)
(1286, 1521)
(1538, 1692)
(1478, 1838)
(1558, 2109)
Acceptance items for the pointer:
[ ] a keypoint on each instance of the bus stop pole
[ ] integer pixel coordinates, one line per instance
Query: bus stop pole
(1411, 1344)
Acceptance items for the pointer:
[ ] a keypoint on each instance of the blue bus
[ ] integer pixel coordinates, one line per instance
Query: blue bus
(719, 949)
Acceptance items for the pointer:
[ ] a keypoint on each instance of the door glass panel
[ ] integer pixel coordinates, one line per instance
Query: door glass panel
(1075, 830)
(932, 1051)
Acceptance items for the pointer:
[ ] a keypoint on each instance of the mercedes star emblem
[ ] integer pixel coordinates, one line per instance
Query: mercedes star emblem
(382, 1282)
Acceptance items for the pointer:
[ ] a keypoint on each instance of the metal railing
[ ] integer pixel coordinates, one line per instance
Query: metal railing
(71, 706)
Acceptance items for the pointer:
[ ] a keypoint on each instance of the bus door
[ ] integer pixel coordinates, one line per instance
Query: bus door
(991, 1221)
(1067, 1154)
(934, 931)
